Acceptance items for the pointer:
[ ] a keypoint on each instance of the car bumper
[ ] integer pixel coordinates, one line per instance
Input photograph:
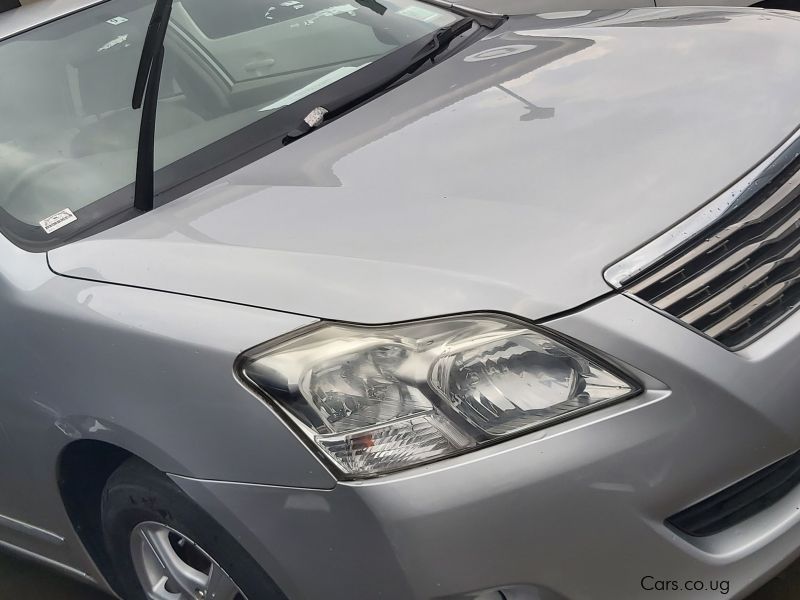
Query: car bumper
(573, 512)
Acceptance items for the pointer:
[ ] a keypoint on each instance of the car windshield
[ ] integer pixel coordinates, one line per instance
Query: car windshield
(69, 135)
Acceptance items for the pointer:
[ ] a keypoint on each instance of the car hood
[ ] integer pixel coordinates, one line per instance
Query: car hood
(506, 178)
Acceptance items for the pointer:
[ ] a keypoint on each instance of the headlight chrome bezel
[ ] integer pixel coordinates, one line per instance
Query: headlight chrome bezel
(306, 433)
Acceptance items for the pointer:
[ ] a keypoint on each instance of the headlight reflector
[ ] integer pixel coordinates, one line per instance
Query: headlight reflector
(379, 399)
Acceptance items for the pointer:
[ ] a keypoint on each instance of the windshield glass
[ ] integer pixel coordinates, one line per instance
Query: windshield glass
(69, 136)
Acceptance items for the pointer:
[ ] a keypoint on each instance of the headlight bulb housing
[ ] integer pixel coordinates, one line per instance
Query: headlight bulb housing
(378, 399)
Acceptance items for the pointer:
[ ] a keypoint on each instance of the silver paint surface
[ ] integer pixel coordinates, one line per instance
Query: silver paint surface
(506, 178)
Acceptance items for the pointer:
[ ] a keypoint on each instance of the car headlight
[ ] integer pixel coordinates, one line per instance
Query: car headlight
(379, 399)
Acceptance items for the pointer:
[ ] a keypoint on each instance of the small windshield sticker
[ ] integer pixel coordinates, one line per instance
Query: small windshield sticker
(330, 12)
(419, 13)
(117, 21)
(58, 220)
(115, 42)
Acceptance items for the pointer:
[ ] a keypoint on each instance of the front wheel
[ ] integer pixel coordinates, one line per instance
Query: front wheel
(164, 547)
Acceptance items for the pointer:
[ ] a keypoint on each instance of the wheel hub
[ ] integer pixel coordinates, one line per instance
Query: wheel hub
(170, 566)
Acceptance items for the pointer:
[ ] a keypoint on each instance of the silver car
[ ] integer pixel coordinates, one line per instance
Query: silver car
(397, 300)
(558, 5)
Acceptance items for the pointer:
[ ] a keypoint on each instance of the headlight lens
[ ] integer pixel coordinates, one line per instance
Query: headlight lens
(379, 399)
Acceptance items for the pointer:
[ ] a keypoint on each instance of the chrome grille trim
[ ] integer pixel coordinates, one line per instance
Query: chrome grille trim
(731, 270)
(618, 274)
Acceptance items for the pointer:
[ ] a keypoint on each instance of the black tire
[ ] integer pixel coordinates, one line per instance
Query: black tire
(136, 493)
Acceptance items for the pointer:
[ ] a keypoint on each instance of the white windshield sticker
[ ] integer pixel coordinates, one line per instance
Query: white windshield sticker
(329, 12)
(312, 87)
(115, 42)
(336, 10)
(419, 13)
(58, 220)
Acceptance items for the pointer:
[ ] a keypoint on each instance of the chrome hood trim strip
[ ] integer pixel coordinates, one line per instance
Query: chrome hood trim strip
(622, 272)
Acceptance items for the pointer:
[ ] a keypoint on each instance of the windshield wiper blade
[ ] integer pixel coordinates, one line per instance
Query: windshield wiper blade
(445, 35)
(423, 51)
(373, 5)
(486, 18)
(145, 96)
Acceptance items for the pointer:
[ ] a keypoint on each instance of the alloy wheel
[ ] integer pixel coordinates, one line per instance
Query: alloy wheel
(170, 566)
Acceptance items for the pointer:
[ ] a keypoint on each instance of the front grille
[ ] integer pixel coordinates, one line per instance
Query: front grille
(739, 276)
(740, 501)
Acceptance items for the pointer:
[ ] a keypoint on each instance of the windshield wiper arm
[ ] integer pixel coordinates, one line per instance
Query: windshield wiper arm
(445, 35)
(145, 96)
(485, 18)
(423, 51)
